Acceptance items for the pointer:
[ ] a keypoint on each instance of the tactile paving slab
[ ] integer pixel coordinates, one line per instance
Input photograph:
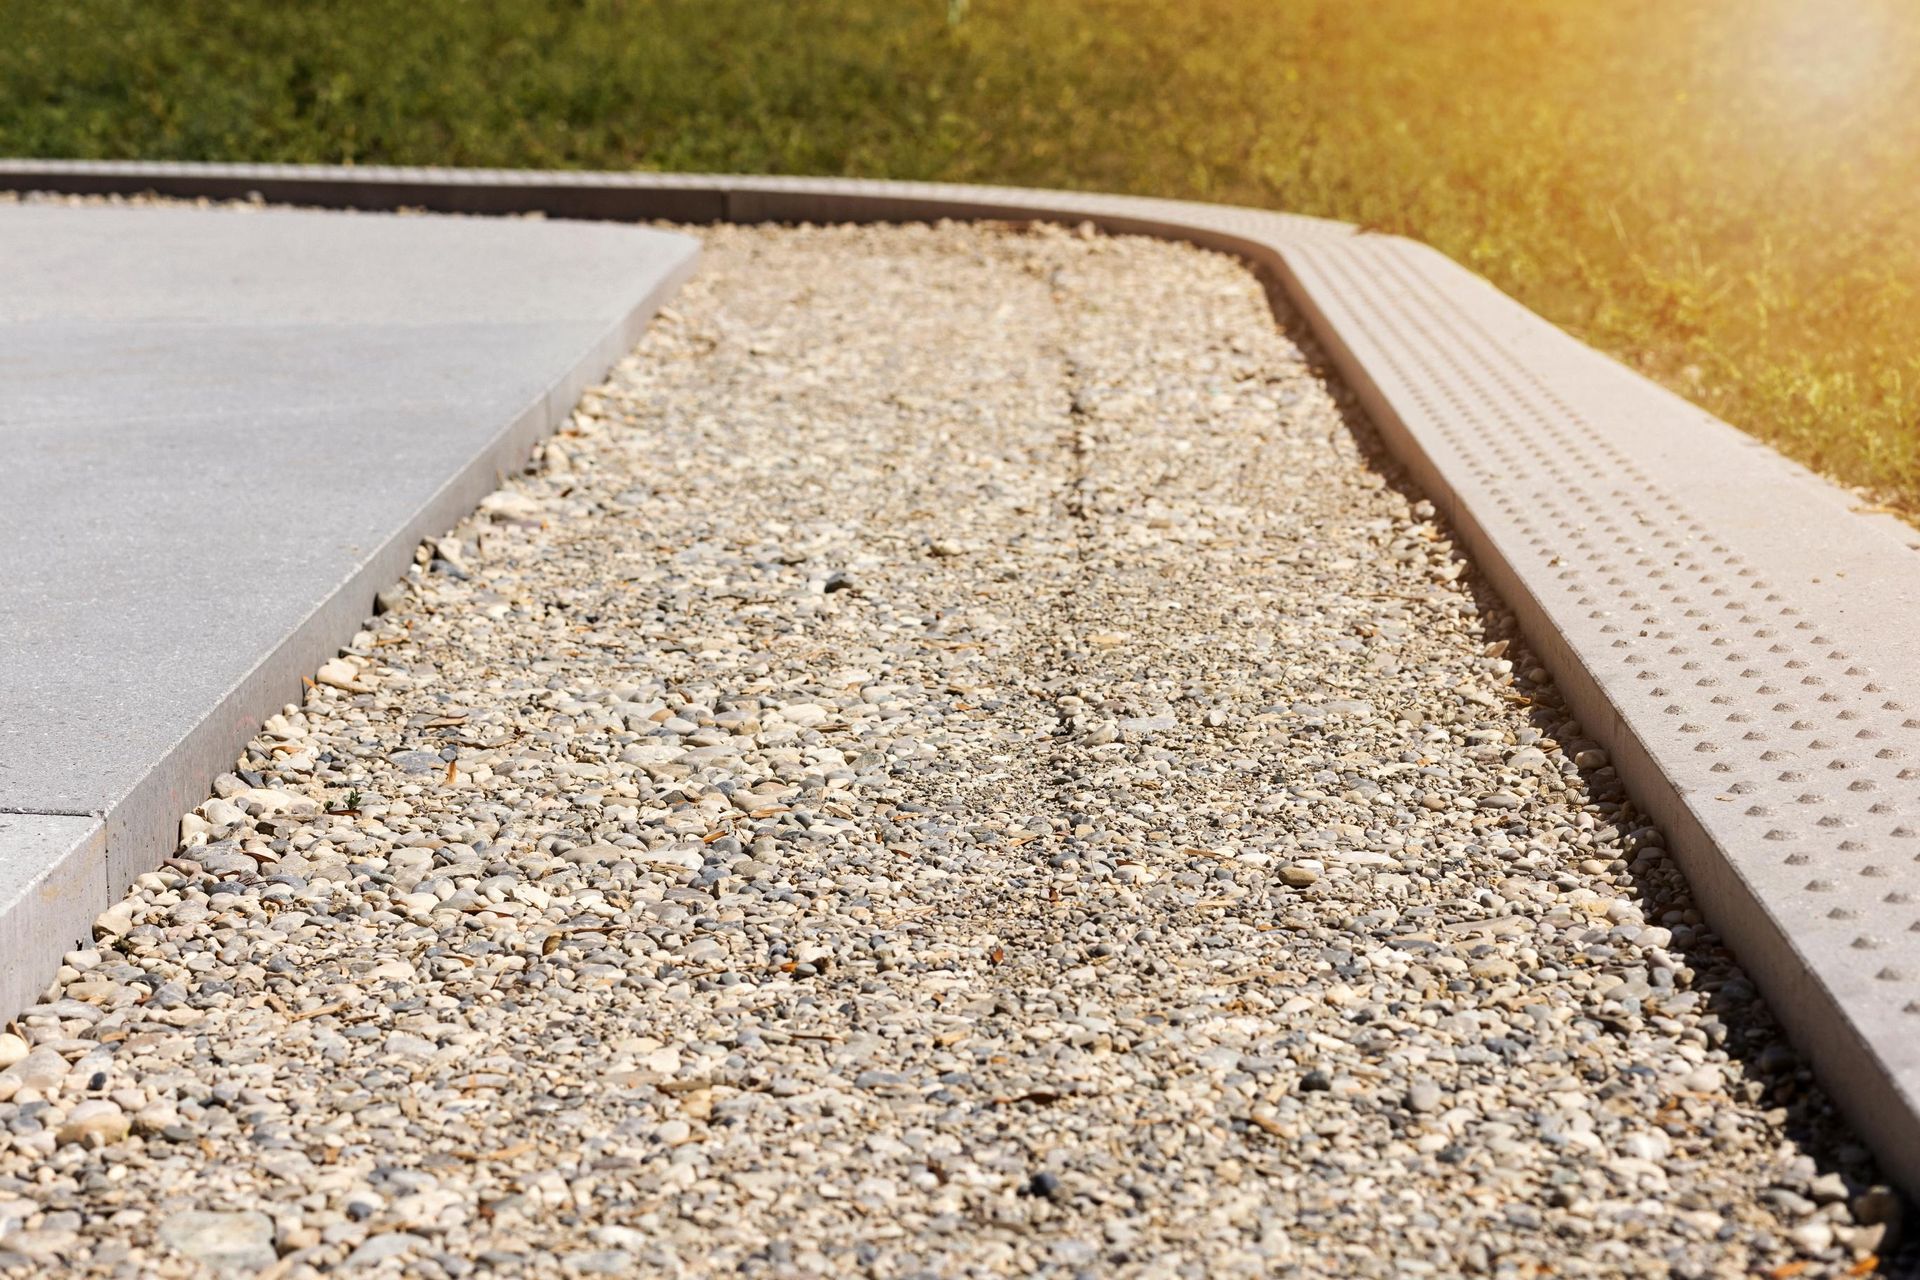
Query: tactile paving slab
(1743, 636)
(1725, 622)
(223, 431)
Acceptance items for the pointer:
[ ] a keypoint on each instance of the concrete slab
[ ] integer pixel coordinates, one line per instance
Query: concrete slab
(53, 882)
(224, 431)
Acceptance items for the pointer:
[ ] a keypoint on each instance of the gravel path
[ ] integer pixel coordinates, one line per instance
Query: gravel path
(962, 762)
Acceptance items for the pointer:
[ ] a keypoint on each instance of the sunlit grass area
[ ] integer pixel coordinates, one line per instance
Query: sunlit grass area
(1726, 196)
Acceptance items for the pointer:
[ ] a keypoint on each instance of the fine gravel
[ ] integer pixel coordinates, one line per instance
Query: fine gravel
(963, 760)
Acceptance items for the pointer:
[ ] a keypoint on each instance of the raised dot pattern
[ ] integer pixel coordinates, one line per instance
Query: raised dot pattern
(1795, 757)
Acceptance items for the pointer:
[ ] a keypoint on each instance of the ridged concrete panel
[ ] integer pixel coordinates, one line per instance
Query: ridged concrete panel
(1743, 639)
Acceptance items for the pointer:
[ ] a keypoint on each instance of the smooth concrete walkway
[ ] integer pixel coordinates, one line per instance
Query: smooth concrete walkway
(223, 431)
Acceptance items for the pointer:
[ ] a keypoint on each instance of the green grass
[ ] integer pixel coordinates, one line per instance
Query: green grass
(1724, 195)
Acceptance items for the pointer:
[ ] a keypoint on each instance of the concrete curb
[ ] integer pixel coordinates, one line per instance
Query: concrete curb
(1735, 633)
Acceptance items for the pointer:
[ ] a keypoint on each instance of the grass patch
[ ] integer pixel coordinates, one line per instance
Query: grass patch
(1721, 195)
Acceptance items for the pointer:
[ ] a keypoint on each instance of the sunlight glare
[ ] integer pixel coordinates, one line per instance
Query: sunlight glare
(1817, 54)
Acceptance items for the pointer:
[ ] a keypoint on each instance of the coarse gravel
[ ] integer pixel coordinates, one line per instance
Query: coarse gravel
(964, 760)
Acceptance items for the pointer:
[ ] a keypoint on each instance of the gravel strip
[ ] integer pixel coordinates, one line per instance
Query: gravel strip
(963, 761)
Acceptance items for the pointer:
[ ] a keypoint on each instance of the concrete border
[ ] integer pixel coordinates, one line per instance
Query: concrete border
(1737, 632)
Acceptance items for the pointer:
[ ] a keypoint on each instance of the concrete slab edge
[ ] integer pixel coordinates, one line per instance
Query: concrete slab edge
(1475, 396)
(60, 871)
(53, 882)
(143, 828)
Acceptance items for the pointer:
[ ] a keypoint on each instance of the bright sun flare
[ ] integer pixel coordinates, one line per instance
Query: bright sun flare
(1824, 53)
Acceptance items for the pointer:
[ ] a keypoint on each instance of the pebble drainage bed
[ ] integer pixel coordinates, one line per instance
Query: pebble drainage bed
(965, 759)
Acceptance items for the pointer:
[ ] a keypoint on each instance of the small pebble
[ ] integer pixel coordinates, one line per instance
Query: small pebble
(96, 1123)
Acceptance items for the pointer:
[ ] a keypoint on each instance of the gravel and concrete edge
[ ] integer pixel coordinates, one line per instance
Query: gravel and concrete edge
(70, 622)
(1734, 630)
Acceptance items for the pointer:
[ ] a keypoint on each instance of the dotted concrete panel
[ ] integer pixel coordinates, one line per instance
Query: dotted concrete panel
(1720, 618)
(225, 430)
(1734, 629)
